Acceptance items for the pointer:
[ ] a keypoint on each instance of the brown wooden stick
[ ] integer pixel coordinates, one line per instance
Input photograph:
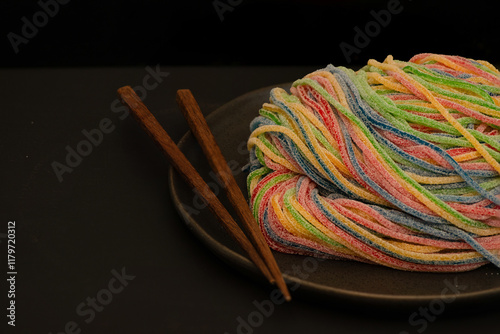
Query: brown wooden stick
(153, 128)
(199, 127)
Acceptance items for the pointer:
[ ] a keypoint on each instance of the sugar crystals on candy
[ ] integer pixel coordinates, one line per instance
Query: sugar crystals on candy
(396, 164)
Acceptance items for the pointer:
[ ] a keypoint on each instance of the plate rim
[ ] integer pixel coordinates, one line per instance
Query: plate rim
(243, 263)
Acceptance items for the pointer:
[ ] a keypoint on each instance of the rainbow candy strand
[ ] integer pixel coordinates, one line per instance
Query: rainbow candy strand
(396, 164)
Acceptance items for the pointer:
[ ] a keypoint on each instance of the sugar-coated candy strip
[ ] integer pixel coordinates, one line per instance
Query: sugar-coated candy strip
(396, 164)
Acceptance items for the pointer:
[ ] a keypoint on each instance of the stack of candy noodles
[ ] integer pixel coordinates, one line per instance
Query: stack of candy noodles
(397, 164)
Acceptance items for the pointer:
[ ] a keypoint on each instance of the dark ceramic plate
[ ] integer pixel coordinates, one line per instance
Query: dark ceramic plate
(351, 283)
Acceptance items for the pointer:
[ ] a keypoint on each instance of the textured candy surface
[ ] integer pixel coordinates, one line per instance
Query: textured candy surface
(396, 164)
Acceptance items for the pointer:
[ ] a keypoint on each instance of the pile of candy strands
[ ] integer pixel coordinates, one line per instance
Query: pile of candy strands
(396, 164)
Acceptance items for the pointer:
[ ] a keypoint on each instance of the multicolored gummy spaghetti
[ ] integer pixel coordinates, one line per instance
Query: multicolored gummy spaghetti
(396, 164)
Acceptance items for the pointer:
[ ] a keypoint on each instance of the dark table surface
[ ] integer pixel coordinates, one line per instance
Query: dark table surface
(100, 247)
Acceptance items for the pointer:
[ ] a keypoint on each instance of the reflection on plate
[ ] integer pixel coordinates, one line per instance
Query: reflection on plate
(354, 283)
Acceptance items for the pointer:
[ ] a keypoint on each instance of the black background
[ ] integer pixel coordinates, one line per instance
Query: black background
(254, 32)
(114, 211)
